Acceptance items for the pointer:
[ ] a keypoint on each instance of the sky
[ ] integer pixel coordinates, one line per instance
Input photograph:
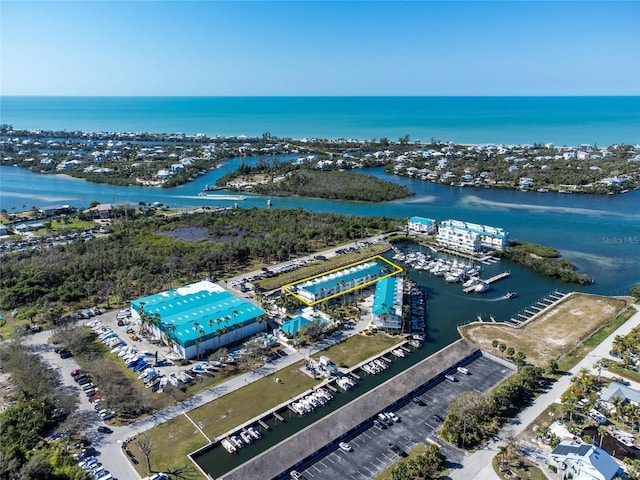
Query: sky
(308, 48)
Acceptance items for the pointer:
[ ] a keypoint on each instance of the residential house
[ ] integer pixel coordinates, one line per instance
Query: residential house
(582, 461)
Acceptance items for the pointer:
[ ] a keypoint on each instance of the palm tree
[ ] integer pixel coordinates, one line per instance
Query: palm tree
(602, 431)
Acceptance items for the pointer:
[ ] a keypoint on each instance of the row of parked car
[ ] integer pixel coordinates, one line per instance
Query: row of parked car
(88, 461)
(91, 391)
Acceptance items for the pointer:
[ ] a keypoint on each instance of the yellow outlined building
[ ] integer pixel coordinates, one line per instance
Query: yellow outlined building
(338, 281)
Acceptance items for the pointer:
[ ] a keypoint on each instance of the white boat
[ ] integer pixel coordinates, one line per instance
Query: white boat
(173, 356)
(235, 440)
(471, 282)
(173, 380)
(214, 196)
(246, 437)
(482, 287)
(381, 363)
(253, 431)
(228, 446)
(398, 352)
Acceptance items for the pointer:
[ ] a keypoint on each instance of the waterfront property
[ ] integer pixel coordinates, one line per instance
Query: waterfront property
(388, 302)
(198, 317)
(471, 237)
(421, 225)
(341, 280)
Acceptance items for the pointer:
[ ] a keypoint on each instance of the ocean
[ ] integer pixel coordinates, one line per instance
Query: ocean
(470, 120)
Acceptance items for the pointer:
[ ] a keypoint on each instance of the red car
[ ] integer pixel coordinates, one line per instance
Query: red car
(75, 372)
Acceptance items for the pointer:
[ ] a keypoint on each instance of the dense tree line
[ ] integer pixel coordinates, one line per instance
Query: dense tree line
(145, 255)
(286, 179)
(545, 260)
(41, 408)
(473, 417)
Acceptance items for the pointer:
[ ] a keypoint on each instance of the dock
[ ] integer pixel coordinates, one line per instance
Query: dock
(495, 278)
(539, 306)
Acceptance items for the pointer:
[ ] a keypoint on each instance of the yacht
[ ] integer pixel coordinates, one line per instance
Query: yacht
(482, 287)
(511, 294)
(253, 431)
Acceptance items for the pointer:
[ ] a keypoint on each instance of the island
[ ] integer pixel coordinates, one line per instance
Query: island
(286, 179)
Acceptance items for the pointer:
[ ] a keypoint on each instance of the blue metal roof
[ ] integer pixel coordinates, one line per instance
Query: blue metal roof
(383, 301)
(329, 281)
(424, 221)
(184, 313)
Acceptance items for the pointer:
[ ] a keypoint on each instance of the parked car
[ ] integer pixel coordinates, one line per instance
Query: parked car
(344, 446)
(437, 418)
(393, 447)
(379, 424)
(418, 401)
(103, 429)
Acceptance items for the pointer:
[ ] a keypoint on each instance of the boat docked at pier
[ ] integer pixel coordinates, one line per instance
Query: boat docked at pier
(228, 446)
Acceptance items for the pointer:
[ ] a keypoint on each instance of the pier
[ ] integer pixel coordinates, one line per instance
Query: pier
(495, 278)
(546, 302)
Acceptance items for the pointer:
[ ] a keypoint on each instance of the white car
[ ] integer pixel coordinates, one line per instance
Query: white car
(394, 418)
(345, 447)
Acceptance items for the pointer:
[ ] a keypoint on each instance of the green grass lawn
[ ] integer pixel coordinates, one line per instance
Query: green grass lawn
(517, 468)
(355, 350)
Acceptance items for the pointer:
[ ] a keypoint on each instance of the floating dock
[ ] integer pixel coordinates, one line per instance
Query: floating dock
(495, 278)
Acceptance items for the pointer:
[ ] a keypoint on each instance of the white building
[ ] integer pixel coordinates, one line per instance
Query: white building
(582, 461)
(471, 237)
(422, 225)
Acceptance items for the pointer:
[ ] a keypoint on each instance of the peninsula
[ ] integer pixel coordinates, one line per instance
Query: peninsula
(168, 160)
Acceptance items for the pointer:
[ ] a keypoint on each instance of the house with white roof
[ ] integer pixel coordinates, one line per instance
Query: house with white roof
(582, 461)
(624, 393)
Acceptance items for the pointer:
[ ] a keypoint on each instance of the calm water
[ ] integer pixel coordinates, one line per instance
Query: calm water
(600, 234)
(508, 120)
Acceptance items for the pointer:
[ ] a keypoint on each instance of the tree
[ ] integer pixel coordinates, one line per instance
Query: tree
(502, 347)
(146, 446)
(635, 292)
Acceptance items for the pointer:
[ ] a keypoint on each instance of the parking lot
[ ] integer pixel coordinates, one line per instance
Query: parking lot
(370, 447)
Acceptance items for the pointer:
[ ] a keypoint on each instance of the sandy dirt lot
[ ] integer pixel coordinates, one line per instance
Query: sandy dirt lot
(551, 333)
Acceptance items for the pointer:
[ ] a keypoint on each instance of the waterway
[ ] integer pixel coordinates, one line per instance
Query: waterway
(599, 234)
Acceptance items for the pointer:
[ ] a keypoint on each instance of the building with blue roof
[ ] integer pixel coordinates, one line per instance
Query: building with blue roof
(324, 286)
(388, 301)
(471, 237)
(422, 225)
(199, 317)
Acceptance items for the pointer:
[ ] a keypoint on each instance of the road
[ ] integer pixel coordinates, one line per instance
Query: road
(478, 465)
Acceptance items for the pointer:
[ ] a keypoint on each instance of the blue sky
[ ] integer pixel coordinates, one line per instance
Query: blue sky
(319, 48)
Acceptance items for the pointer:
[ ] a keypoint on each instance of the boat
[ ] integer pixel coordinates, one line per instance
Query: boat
(246, 437)
(471, 282)
(482, 287)
(215, 196)
(253, 431)
(236, 442)
(511, 294)
(228, 446)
